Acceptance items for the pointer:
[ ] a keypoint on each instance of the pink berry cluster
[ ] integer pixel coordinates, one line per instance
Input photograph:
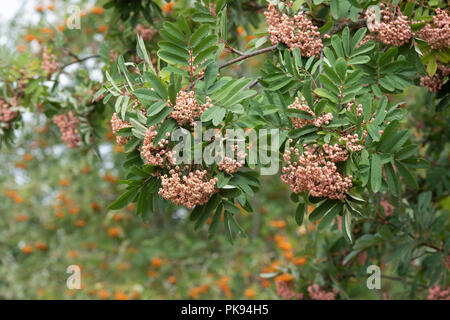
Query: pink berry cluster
(286, 293)
(436, 293)
(68, 126)
(189, 189)
(387, 207)
(116, 125)
(318, 294)
(352, 142)
(434, 83)
(393, 28)
(155, 155)
(317, 121)
(230, 165)
(187, 109)
(359, 108)
(145, 33)
(6, 114)
(437, 36)
(49, 63)
(295, 32)
(315, 171)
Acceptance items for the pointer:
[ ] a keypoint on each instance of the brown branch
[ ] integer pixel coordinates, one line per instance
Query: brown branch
(251, 84)
(80, 60)
(338, 27)
(248, 55)
(236, 60)
(351, 24)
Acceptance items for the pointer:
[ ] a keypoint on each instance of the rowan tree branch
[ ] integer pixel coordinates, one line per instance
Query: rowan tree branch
(351, 24)
(243, 56)
(80, 60)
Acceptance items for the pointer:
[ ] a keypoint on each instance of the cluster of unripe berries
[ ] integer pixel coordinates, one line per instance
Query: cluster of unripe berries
(6, 114)
(194, 188)
(68, 125)
(438, 35)
(351, 142)
(155, 154)
(393, 27)
(145, 33)
(294, 31)
(230, 165)
(434, 83)
(317, 121)
(187, 109)
(49, 64)
(315, 171)
(116, 125)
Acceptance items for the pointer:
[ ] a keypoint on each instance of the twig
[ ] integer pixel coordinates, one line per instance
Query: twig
(351, 24)
(251, 84)
(402, 280)
(80, 61)
(234, 50)
(248, 55)
(236, 60)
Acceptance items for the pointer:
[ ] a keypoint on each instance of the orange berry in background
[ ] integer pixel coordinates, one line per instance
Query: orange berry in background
(97, 10)
(167, 7)
(103, 294)
(240, 30)
(18, 199)
(80, 223)
(171, 279)
(74, 210)
(136, 294)
(289, 255)
(249, 293)
(250, 38)
(27, 157)
(285, 246)
(38, 8)
(110, 178)
(113, 232)
(280, 224)
(60, 28)
(95, 206)
(156, 262)
(265, 283)
(119, 295)
(101, 29)
(59, 214)
(117, 217)
(131, 207)
(285, 277)
(83, 14)
(51, 7)
(27, 249)
(41, 246)
(73, 254)
(30, 37)
(20, 165)
(21, 48)
(47, 31)
(299, 261)
(64, 182)
(22, 218)
(85, 169)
